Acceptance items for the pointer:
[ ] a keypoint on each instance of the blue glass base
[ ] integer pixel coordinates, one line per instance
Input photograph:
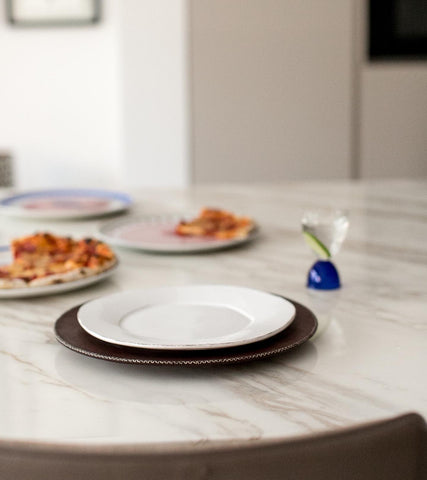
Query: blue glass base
(323, 276)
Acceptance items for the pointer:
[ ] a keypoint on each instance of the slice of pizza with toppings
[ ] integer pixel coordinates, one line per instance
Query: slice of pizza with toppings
(41, 248)
(46, 259)
(216, 223)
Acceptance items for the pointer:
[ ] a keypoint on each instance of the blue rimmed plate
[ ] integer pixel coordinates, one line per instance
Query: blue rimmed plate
(65, 204)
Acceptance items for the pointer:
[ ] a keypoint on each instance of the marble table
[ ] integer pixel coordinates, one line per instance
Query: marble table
(367, 361)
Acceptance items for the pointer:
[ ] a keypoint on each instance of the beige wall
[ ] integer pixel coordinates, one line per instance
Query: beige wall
(271, 89)
(394, 120)
(391, 112)
(283, 89)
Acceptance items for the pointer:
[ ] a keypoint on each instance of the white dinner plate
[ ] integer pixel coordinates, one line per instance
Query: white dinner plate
(25, 292)
(196, 317)
(64, 204)
(155, 233)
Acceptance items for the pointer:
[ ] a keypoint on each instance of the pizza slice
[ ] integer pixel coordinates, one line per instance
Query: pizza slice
(216, 223)
(46, 259)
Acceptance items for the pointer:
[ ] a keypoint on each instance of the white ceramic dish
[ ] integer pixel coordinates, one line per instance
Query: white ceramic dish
(26, 292)
(64, 204)
(196, 317)
(155, 234)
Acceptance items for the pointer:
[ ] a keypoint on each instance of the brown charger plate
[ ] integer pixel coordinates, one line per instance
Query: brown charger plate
(69, 332)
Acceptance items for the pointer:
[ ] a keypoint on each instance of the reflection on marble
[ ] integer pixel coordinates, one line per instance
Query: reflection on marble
(366, 361)
(167, 385)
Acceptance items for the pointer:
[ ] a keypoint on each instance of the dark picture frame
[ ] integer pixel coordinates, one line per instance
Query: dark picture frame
(385, 40)
(58, 13)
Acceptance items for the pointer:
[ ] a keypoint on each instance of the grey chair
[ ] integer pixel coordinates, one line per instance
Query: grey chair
(394, 449)
(6, 170)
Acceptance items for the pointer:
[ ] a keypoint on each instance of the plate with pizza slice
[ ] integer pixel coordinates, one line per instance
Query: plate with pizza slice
(64, 204)
(211, 229)
(44, 264)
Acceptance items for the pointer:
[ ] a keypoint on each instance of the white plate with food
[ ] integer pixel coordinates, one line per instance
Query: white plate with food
(64, 204)
(211, 230)
(45, 264)
(193, 317)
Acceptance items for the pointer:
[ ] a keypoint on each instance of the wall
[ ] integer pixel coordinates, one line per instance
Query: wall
(272, 89)
(99, 106)
(59, 100)
(155, 92)
(393, 120)
(391, 111)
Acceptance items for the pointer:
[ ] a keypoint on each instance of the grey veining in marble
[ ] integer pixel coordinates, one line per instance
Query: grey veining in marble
(366, 362)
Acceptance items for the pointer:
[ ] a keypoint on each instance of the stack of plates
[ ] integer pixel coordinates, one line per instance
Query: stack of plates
(199, 324)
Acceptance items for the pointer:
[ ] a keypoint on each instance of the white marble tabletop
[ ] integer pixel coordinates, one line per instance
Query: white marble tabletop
(367, 361)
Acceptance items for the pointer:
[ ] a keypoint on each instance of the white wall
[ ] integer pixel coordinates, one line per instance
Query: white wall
(59, 102)
(272, 89)
(98, 106)
(155, 98)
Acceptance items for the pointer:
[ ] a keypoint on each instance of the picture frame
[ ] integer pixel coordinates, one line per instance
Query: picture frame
(393, 34)
(53, 13)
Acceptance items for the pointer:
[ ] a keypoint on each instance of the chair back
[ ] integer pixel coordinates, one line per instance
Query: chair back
(393, 449)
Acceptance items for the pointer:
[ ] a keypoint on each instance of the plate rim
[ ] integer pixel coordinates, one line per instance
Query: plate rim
(194, 248)
(209, 345)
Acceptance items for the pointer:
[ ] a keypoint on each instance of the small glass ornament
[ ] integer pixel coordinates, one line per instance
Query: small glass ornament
(324, 231)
